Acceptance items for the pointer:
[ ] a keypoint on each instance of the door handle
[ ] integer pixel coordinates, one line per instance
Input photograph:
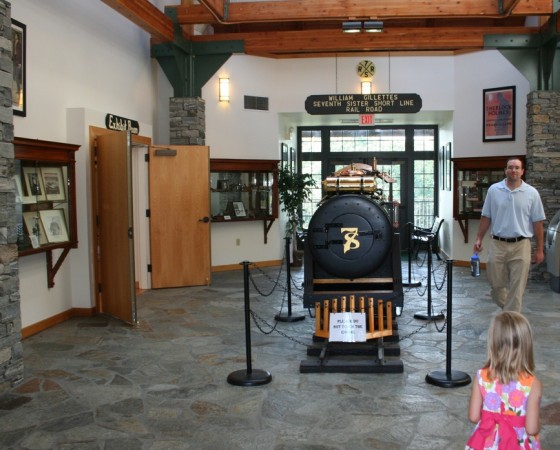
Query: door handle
(204, 219)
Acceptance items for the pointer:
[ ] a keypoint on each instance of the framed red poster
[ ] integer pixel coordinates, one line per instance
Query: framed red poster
(498, 114)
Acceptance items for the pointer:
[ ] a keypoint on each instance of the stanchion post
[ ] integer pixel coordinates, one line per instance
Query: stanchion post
(281, 317)
(449, 378)
(410, 282)
(248, 377)
(429, 315)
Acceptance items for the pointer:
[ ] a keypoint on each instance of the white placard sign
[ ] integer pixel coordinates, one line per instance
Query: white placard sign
(347, 327)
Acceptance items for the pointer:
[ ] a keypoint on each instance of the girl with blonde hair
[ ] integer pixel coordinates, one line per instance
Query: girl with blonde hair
(505, 400)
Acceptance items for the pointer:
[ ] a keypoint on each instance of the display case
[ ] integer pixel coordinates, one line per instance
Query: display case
(472, 178)
(244, 190)
(44, 178)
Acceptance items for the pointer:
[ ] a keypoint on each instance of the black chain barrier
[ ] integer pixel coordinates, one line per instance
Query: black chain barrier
(267, 328)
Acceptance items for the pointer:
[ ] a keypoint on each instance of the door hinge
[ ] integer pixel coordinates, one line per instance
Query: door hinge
(149, 268)
(148, 213)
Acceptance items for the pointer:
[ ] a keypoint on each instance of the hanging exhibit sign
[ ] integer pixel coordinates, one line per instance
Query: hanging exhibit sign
(363, 104)
(117, 123)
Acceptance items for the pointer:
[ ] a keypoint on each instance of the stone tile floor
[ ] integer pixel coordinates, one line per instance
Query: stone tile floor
(96, 383)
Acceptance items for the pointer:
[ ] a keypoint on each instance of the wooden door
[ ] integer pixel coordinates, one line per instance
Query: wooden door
(179, 216)
(115, 252)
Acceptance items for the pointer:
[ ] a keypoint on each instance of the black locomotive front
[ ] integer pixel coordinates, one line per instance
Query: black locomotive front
(352, 248)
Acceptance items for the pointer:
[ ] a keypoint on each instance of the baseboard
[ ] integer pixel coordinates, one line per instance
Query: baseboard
(227, 267)
(55, 320)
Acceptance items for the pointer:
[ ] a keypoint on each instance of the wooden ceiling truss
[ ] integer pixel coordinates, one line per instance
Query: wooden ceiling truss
(312, 28)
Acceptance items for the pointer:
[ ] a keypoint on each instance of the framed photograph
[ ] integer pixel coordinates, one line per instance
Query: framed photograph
(54, 224)
(35, 229)
(34, 184)
(239, 209)
(19, 94)
(293, 165)
(447, 164)
(285, 156)
(498, 123)
(53, 181)
(19, 189)
(441, 167)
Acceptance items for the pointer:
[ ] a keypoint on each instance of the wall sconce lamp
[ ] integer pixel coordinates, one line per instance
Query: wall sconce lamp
(366, 87)
(224, 90)
(369, 26)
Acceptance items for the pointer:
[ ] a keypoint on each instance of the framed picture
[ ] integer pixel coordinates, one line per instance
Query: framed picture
(54, 224)
(19, 94)
(498, 114)
(35, 229)
(441, 167)
(53, 182)
(19, 189)
(285, 156)
(447, 164)
(293, 165)
(239, 209)
(33, 184)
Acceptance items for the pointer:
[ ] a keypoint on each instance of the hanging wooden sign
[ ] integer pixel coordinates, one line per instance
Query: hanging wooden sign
(117, 123)
(363, 104)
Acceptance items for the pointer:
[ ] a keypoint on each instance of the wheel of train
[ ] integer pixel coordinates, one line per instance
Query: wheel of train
(350, 235)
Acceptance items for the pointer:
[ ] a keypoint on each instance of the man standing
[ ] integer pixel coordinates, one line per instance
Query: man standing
(514, 213)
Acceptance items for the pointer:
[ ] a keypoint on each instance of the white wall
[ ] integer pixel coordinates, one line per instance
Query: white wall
(475, 72)
(446, 83)
(85, 60)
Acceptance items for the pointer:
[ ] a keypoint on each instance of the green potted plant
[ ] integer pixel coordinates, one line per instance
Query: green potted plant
(293, 189)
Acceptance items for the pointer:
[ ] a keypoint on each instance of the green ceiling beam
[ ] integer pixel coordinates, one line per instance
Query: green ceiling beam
(189, 65)
(533, 55)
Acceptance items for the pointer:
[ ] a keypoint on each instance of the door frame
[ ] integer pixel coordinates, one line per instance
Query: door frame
(136, 140)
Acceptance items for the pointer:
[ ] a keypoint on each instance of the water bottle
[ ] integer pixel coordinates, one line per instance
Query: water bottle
(475, 265)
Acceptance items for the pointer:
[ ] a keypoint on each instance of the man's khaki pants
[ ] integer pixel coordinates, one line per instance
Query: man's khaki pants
(507, 270)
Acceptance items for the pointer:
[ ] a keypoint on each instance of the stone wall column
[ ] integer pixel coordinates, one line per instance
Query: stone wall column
(543, 153)
(11, 353)
(187, 121)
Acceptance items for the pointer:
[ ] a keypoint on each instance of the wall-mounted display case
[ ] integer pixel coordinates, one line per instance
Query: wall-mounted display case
(244, 190)
(44, 177)
(472, 177)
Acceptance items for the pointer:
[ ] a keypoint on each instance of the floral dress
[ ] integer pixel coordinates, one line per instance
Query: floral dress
(502, 422)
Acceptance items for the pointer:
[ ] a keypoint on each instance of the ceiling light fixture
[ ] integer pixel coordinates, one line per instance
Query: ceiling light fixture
(373, 26)
(352, 27)
(357, 26)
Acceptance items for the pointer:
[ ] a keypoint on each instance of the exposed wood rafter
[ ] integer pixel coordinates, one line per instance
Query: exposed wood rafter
(313, 27)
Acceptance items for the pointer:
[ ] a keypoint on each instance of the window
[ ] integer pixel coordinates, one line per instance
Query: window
(406, 153)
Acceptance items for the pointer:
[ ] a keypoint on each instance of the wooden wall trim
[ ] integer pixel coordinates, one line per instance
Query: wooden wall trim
(55, 320)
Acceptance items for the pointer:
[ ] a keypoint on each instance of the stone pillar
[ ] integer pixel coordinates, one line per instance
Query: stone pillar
(543, 153)
(187, 121)
(11, 354)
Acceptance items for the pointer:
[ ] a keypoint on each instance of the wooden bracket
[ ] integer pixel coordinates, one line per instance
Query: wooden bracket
(465, 229)
(51, 270)
(267, 226)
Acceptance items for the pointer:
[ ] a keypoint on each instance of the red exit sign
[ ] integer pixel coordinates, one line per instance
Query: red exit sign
(366, 119)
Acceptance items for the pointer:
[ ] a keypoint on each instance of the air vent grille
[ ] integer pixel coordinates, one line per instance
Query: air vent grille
(259, 103)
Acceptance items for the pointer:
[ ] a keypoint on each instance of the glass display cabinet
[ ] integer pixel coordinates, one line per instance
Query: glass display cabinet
(472, 177)
(244, 190)
(44, 178)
